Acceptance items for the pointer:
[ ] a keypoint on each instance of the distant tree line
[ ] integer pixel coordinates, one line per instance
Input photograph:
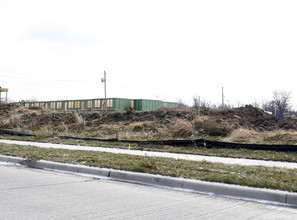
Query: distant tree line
(279, 104)
(200, 104)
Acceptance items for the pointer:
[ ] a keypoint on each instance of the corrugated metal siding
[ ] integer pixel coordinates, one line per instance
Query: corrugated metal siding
(170, 104)
(147, 105)
(113, 104)
(121, 104)
(138, 105)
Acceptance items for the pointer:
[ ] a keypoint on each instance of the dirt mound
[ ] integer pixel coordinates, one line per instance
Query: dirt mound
(7, 108)
(254, 118)
(163, 123)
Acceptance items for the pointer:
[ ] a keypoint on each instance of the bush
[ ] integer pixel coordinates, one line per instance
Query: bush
(242, 135)
(199, 121)
(182, 128)
(129, 110)
(216, 129)
(44, 132)
(147, 126)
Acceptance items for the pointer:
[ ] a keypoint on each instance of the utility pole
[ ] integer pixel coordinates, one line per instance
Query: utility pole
(199, 105)
(104, 81)
(222, 97)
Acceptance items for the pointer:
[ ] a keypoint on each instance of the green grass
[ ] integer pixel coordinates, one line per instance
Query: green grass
(255, 176)
(234, 153)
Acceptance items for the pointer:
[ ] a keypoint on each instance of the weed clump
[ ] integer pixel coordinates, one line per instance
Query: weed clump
(182, 128)
(44, 132)
(78, 119)
(147, 126)
(199, 121)
(242, 135)
(216, 129)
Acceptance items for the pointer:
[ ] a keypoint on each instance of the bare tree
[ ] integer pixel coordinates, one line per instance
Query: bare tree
(204, 104)
(33, 99)
(199, 104)
(196, 103)
(268, 106)
(256, 104)
(281, 100)
(181, 103)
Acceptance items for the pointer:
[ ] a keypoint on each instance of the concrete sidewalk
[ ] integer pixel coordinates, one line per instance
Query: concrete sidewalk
(226, 160)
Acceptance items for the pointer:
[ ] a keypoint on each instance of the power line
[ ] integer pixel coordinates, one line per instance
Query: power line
(51, 80)
(139, 90)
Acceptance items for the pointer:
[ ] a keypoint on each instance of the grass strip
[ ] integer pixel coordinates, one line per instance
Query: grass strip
(233, 153)
(255, 176)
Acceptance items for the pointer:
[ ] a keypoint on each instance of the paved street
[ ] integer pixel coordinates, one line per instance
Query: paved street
(37, 194)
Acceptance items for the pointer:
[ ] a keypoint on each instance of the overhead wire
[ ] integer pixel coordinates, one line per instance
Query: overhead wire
(51, 80)
(141, 90)
(74, 81)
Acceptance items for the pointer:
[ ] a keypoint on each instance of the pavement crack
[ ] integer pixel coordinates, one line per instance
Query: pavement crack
(43, 185)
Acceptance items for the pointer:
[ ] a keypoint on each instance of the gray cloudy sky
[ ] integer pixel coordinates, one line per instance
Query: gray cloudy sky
(164, 49)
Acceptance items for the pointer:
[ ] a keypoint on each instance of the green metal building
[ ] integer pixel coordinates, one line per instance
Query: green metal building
(112, 104)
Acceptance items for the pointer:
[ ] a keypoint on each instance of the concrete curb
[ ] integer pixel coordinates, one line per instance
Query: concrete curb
(220, 189)
(42, 164)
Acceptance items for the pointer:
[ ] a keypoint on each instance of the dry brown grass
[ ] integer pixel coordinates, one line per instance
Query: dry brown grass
(199, 121)
(78, 119)
(20, 109)
(4, 123)
(182, 128)
(147, 126)
(161, 133)
(133, 136)
(141, 126)
(14, 119)
(243, 135)
(279, 137)
(33, 125)
(44, 131)
(109, 129)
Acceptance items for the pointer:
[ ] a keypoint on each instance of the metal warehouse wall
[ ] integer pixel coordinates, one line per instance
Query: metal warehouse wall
(113, 104)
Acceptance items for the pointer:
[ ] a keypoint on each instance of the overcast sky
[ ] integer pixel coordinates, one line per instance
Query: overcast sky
(152, 49)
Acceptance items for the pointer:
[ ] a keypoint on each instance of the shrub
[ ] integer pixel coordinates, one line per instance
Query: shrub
(44, 132)
(280, 137)
(109, 129)
(14, 120)
(4, 123)
(161, 133)
(242, 135)
(129, 110)
(216, 129)
(182, 128)
(199, 121)
(147, 126)
(78, 119)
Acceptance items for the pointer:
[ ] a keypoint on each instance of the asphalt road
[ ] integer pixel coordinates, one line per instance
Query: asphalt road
(38, 194)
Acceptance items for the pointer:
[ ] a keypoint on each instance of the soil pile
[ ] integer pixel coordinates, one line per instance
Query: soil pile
(254, 118)
(162, 123)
